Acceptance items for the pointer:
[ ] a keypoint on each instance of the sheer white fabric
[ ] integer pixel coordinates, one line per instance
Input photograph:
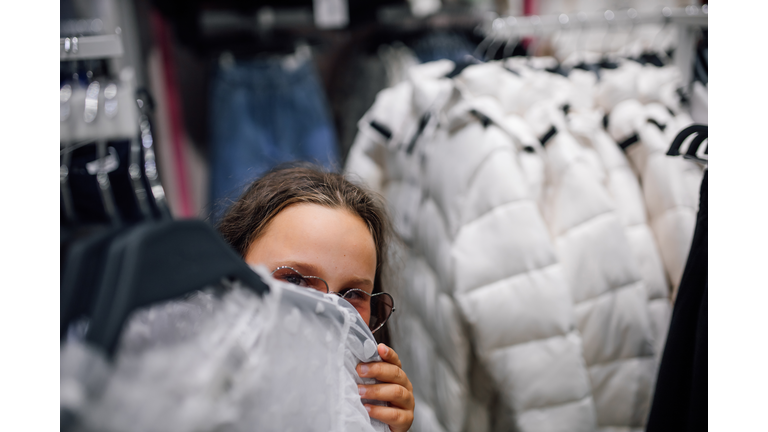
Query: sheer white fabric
(231, 361)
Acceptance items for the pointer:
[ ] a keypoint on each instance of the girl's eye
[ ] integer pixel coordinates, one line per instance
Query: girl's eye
(295, 279)
(354, 294)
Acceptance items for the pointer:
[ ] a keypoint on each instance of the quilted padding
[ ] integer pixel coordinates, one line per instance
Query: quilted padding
(616, 175)
(611, 302)
(670, 184)
(506, 278)
(531, 275)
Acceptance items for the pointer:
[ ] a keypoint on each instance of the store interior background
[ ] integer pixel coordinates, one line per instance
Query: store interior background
(171, 55)
(174, 48)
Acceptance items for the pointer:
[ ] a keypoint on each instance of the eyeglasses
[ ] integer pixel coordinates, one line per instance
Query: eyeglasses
(379, 306)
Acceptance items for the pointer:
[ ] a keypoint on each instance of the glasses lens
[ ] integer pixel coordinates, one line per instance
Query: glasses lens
(287, 274)
(382, 306)
(379, 306)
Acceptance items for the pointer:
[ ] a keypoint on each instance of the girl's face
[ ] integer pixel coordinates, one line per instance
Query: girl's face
(332, 244)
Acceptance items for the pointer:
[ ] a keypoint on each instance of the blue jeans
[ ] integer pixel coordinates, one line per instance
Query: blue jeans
(265, 112)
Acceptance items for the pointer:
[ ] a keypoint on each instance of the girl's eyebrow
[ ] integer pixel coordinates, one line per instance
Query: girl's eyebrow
(304, 268)
(360, 281)
(307, 269)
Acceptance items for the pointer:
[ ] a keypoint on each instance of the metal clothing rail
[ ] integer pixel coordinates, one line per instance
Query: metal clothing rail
(689, 20)
(91, 47)
(535, 25)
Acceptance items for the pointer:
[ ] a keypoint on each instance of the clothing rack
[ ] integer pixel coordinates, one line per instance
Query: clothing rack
(535, 25)
(689, 21)
(112, 36)
(447, 18)
(214, 22)
(90, 47)
(110, 105)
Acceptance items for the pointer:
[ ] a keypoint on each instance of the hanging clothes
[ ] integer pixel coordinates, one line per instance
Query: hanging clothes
(432, 341)
(669, 183)
(612, 169)
(266, 112)
(227, 359)
(460, 207)
(461, 154)
(178, 160)
(609, 295)
(680, 399)
(361, 77)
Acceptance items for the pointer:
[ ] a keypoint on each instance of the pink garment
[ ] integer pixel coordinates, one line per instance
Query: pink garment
(175, 119)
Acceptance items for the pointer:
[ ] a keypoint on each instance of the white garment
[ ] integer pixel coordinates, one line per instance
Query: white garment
(551, 254)
(700, 103)
(235, 362)
(646, 84)
(506, 277)
(614, 172)
(581, 214)
(427, 329)
(670, 184)
(397, 60)
(610, 298)
(483, 240)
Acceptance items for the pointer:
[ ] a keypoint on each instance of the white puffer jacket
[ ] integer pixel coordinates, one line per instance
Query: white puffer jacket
(670, 184)
(505, 274)
(600, 258)
(427, 329)
(610, 297)
(614, 172)
(512, 235)
(483, 238)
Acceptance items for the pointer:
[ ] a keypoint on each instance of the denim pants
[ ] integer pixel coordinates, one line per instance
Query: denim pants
(265, 112)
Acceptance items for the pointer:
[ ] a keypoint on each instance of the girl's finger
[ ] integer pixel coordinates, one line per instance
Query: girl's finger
(399, 420)
(384, 372)
(389, 355)
(395, 394)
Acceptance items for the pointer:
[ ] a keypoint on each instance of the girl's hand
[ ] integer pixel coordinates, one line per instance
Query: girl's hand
(395, 389)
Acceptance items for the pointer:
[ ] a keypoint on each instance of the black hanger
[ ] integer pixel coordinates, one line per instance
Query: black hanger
(137, 175)
(557, 69)
(589, 67)
(423, 121)
(514, 48)
(128, 178)
(652, 55)
(696, 143)
(105, 185)
(652, 58)
(701, 130)
(84, 246)
(67, 207)
(157, 261)
(548, 136)
(693, 148)
(606, 63)
(81, 274)
(86, 188)
(150, 178)
(649, 57)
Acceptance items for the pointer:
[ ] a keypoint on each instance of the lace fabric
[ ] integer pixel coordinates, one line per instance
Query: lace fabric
(227, 360)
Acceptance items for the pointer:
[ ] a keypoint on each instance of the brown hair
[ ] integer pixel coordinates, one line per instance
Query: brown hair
(248, 217)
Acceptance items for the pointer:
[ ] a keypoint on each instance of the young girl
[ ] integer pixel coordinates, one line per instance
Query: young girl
(320, 231)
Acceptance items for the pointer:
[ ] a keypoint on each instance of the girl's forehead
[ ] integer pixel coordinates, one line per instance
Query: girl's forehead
(330, 243)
